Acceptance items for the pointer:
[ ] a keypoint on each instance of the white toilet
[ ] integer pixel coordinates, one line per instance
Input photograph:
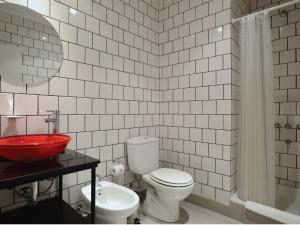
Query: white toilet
(165, 187)
(114, 203)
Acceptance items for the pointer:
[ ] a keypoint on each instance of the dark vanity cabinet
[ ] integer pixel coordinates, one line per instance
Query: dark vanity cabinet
(53, 210)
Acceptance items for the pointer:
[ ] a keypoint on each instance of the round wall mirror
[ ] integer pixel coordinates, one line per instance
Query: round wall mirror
(30, 49)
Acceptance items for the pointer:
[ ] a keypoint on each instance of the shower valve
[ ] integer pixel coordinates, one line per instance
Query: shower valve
(288, 126)
(288, 141)
(277, 125)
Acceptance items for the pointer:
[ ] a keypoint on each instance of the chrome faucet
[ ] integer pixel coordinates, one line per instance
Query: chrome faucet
(98, 182)
(54, 118)
(98, 185)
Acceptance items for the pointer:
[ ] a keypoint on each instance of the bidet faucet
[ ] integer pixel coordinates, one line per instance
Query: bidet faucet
(54, 118)
(98, 183)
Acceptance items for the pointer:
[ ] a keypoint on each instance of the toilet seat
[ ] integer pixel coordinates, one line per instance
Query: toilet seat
(171, 177)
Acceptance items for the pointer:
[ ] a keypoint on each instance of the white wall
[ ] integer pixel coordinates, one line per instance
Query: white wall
(199, 92)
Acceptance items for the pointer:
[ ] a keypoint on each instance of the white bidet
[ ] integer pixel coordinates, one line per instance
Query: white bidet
(114, 203)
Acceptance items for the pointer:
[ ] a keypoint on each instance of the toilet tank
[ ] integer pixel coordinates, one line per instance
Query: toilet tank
(143, 154)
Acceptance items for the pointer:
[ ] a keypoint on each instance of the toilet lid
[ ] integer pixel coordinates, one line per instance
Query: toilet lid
(172, 177)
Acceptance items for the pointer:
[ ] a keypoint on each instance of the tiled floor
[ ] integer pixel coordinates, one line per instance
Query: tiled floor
(198, 215)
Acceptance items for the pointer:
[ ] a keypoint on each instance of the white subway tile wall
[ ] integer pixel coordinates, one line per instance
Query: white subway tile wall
(286, 52)
(107, 89)
(198, 47)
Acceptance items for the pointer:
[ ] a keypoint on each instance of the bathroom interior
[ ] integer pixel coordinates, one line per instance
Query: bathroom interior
(149, 111)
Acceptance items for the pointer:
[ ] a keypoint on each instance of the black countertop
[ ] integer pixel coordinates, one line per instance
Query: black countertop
(17, 173)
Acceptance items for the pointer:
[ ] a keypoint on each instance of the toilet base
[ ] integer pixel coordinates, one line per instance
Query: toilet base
(166, 210)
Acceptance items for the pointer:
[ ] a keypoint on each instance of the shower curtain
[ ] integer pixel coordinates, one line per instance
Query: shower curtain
(256, 163)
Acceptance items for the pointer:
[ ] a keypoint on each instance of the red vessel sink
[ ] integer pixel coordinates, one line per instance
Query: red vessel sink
(30, 148)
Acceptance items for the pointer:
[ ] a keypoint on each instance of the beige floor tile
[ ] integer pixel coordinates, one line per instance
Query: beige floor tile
(198, 215)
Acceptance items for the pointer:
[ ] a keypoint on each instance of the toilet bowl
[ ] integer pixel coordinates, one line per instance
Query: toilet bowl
(114, 203)
(165, 189)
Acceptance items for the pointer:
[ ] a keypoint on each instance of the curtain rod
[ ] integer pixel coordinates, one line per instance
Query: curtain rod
(268, 10)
